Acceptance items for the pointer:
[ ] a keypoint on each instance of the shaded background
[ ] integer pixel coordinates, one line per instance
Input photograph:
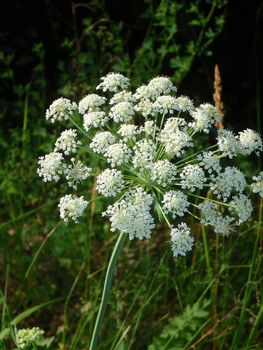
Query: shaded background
(237, 49)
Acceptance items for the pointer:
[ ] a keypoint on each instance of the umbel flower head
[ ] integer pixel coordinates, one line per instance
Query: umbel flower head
(28, 337)
(154, 162)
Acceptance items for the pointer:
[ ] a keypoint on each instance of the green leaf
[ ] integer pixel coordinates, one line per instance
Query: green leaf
(182, 330)
(25, 314)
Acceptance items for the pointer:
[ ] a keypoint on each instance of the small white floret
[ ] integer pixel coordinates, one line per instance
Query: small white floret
(175, 203)
(101, 142)
(184, 104)
(27, 338)
(76, 173)
(132, 214)
(176, 143)
(204, 117)
(110, 182)
(94, 120)
(165, 105)
(118, 153)
(113, 82)
(163, 172)
(192, 177)
(144, 152)
(145, 107)
(250, 141)
(227, 143)
(91, 103)
(61, 109)
(128, 132)
(257, 186)
(181, 240)
(242, 206)
(210, 162)
(122, 112)
(123, 96)
(72, 207)
(160, 86)
(50, 166)
(67, 142)
(229, 181)
(224, 225)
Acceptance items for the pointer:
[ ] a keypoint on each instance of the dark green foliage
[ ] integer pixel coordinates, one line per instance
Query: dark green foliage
(183, 329)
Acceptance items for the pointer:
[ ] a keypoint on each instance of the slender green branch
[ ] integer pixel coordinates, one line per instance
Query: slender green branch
(106, 289)
(195, 154)
(211, 200)
(80, 129)
(248, 291)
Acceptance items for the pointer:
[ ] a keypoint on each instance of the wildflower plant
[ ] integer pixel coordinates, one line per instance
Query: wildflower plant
(152, 165)
(28, 338)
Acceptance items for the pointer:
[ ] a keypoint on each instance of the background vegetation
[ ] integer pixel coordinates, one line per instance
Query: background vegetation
(51, 274)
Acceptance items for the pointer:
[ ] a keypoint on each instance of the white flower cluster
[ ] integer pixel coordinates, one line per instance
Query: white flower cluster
(210, 162)
(132, 214)
(72, 207)
(181, 240)
(229, 181)
(144, 153)
(91, 103)
(149, 127)
(128, 132)
(113, 82)
(94, 120)
(50, 166)
(165, 105)
(67, 142)
(61, 109)
(257, 186)
(211, 215)
(101, 141)
(157, 86)
(76, 173)
(122, 112)
(175, 203)
(247, 142)
(163, 172)
(227, 143)
(242, 206)
(185, 104)
(176, 142)
(118, 153)
(110, 182)
(204, 117)
(28, 337)
(250, 141)
(192, 177)
(152, 162)
(145, 107)
(123, 96)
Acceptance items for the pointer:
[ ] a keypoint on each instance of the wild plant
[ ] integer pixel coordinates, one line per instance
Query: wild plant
(156, 165)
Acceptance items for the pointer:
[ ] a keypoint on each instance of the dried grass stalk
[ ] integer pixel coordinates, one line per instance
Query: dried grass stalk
(217, 95)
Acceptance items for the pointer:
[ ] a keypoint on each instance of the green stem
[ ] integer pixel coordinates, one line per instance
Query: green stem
(80, 129)
(211, 200)
(207, 258)
(106, 289)
(25, 121)
(194, 155)
(248, 291)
